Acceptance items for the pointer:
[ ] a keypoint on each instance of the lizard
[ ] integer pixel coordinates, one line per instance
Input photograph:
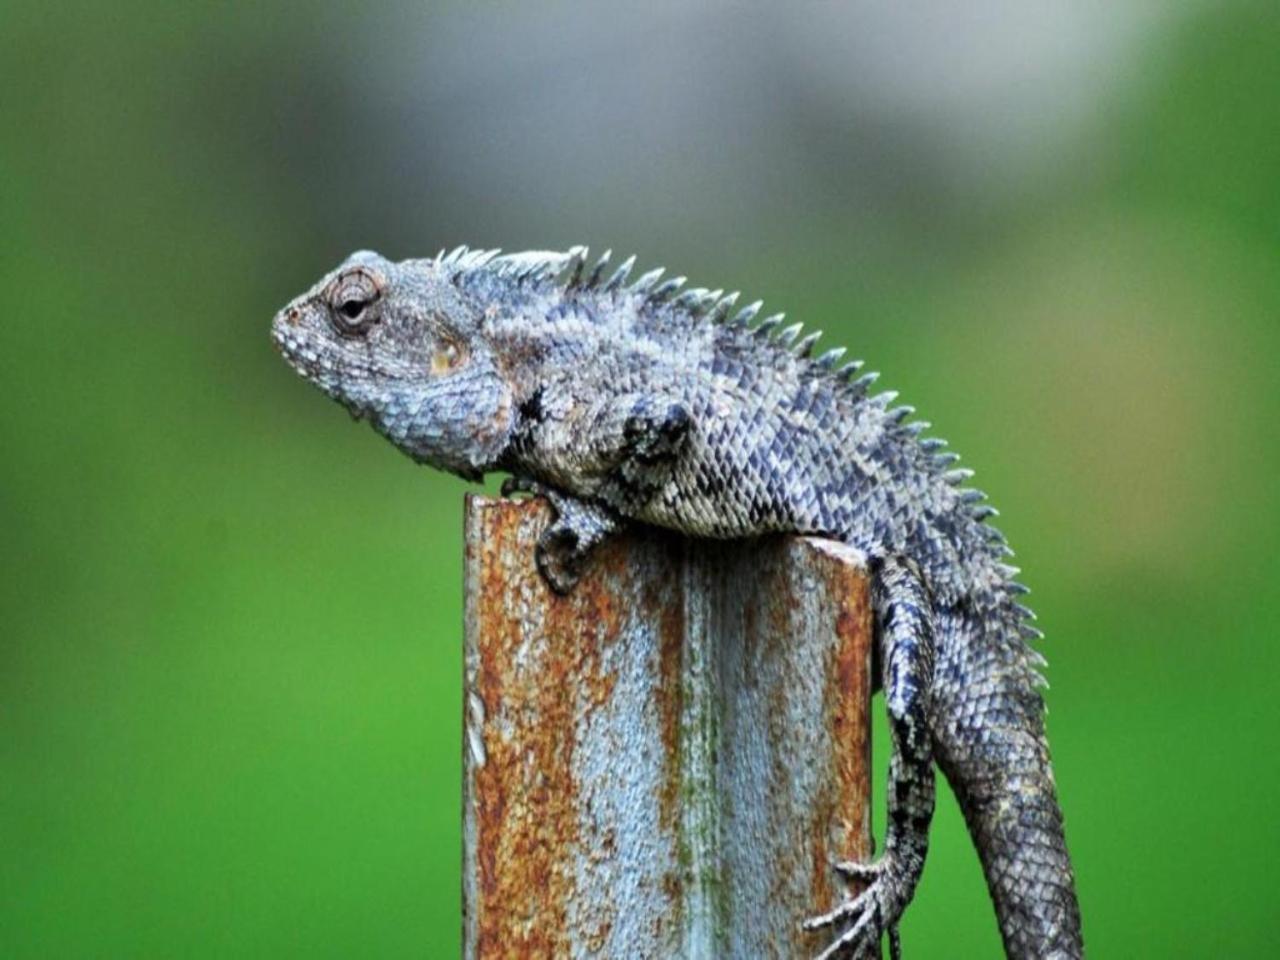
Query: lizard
(625, 399)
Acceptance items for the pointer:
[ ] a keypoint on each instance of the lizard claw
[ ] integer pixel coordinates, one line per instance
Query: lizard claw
(561, 557)
(869, 914)
(857, 870)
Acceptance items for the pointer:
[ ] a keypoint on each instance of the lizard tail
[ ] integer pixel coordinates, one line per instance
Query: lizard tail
(993, 751)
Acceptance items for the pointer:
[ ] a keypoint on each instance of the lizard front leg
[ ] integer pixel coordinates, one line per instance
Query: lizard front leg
(564, 547)
(906, 636)
(615, 453)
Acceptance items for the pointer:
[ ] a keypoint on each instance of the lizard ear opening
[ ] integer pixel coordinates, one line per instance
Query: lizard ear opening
(447, 356)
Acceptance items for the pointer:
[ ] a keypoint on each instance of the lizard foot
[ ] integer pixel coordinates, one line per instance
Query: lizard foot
(564, 547)
(906, 642)
(560, 557)
(868, 915)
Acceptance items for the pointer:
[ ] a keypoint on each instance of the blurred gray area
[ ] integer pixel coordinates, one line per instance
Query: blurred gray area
(720, 130)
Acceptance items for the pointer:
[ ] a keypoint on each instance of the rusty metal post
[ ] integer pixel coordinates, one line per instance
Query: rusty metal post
(666, 762)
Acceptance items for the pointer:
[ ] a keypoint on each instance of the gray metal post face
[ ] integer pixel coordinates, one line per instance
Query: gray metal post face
(666, 762)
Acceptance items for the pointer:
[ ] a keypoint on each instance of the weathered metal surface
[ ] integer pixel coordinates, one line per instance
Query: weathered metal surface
(666, 762)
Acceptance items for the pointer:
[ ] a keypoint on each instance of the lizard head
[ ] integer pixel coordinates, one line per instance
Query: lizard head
(399, 345)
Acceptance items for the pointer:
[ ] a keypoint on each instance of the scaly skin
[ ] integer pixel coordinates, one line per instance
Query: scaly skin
(626, 401)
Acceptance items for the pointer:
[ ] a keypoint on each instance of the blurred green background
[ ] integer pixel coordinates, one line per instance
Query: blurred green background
(230, 619)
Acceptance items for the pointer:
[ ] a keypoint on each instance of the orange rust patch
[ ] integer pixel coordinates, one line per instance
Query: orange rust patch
(580, 625)
(847, 696)
(599, 936)
(777, 590)
(525, 814)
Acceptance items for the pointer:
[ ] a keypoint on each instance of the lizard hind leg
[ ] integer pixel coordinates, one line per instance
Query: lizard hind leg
(906, 638)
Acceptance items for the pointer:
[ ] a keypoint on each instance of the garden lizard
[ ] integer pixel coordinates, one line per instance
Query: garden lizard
(626, 399)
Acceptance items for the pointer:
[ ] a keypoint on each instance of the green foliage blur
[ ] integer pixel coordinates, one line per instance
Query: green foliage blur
(230, 619)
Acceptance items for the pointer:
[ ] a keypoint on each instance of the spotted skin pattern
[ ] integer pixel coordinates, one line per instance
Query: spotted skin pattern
(624, 399)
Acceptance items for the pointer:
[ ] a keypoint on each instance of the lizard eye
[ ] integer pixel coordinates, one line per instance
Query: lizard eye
(353, 301)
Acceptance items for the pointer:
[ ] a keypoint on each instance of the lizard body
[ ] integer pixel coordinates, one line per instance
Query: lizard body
(634, 400)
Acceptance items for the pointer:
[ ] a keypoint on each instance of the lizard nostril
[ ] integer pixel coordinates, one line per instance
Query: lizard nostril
(292, 316)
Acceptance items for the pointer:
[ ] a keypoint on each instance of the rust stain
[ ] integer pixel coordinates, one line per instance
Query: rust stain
(846, 699)
(778, 591)
(526, 818)
(599, 936)
(588, 621)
